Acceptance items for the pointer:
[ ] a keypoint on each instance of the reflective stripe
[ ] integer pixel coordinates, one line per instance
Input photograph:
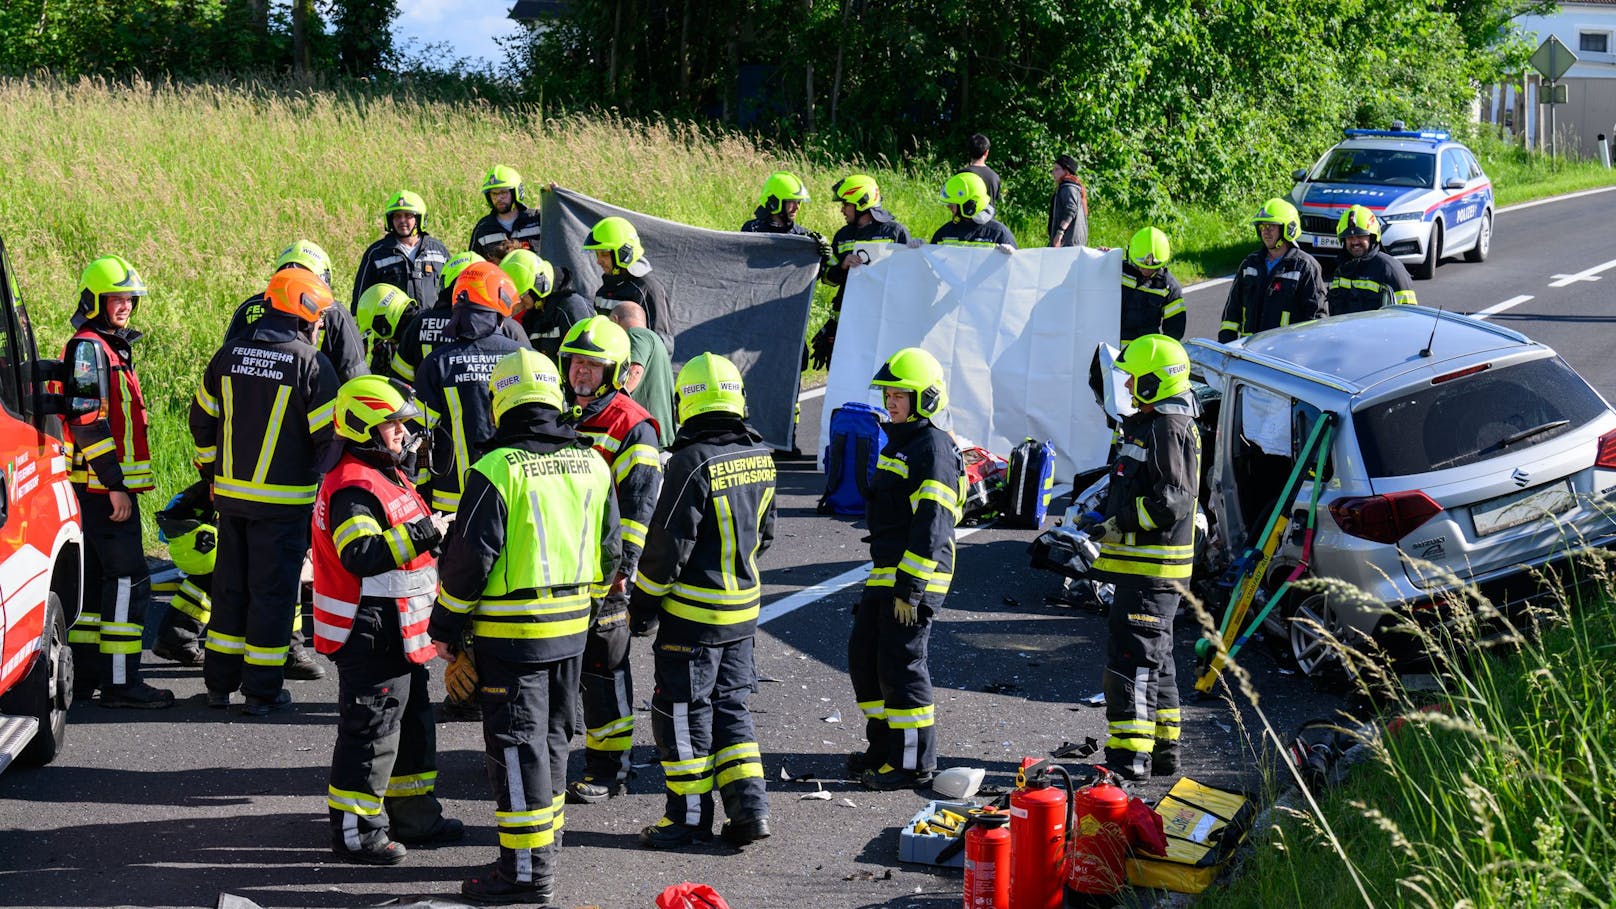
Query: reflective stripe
(321, 418)
(617, 735)
(875, 710)
(635, 456)
(399, 542)
(265, 656)
(527, 829)
(1229, 326)
(402, 368)
(1145, 520)
(1405, 297)
(354, 528)
(457, 433)
(1132, 452)
(911, 717)
(97, 449)
(1174, 308)
(709, 616)
(737, 762)
(206, 401)
(361, 803)
(896, 465)
(1284, 318)
(413, 784)
(883, 577)
(633, 532)
(936, 492)
(225, 643)
(454, 603)
(264, 492)
(272, 434)
(227, 446)
(917, 565)
(726, 543)
(654, 588)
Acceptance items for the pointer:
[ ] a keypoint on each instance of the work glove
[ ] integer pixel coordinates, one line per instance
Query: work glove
(827, 255)
(460, 678)
(1226, 335)
(1106, 531)
(1005, 248)
(907, 614)
(820, 348)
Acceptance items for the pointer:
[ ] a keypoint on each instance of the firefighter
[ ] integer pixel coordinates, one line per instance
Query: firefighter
(261, 421)
(626, 275)
(110, 467)
(783, 195)
(913, 507)
(971, 222)
(508, 216)
(375, 579)
(453, 379)
(698, 585)
(406, 256)
(1152, 301)
(1366, 277)
(383, 310)
(430, 327)
(189, 527)
(536, 541)
(594, 362)
(338, 336)
(549, 305)
(1277, 285)
(1147, 549)
(867, 222)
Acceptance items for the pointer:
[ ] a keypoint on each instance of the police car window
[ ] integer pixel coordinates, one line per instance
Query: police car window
(1471, 165)
(1376, 166)
(1453, 167)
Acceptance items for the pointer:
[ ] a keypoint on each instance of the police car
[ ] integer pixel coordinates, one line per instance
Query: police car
(1432, 198)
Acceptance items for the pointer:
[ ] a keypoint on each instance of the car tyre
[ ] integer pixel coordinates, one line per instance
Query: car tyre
(1425, 269)
(1484, 240)
(1307, 620)
(47, 691)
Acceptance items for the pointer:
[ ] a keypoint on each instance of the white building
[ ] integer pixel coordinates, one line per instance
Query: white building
(1588, 28)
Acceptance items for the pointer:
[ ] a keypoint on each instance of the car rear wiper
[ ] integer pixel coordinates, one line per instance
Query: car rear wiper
(1525, 434)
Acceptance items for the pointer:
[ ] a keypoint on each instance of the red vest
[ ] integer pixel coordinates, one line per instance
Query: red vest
(608, 428)
(125, 413)
(337, 592)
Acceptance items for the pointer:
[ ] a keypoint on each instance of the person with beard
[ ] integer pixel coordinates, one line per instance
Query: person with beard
(1277, 285)
(536, 540)
(548, 306)
(867, 222)
(508, 218)
(1366, 277)
(783, 195)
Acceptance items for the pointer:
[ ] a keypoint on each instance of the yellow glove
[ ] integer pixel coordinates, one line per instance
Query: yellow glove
(906, 613)
(460, 678)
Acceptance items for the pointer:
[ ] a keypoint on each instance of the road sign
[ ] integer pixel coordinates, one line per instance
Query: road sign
(1555, 93)
(1552, 58)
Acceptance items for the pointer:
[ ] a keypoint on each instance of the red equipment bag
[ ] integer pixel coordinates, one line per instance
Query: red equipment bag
(984, 484)
(690, 896)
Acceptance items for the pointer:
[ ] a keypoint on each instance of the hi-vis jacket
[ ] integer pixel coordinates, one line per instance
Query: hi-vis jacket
(430, 330)
(338, 338)
(1154, 486)
(108, 450)
(452, 385)
(1153, 305)
(884, 229)
(261, 420)
(715, 516)
(965, 232)
(914, 505)
(1261, 298)
(373, 542)
(1370, 282)
(487, 234)
(536, 537)
(625, 434)
(386, 262)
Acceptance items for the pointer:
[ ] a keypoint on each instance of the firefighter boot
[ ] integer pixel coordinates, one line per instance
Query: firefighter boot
(300, 665)
(590, 791)
(385, 852)
(417, 820)
(257, 706)
(139, 695)
(491, 886)
(745, 831)
(183, 654)
(888, 778)
(666, 834)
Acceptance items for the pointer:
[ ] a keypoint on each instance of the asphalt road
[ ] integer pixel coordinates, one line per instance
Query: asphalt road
(172, 808)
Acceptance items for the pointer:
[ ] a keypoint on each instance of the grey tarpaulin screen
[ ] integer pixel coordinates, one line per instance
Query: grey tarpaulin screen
(745, 296)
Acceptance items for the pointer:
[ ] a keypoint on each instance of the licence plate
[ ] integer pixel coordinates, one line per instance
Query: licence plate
(1327, 242)
(1522, 507)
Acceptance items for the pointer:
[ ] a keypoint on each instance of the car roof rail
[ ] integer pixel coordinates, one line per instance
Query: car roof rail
(1429, 135)
(1274, 363)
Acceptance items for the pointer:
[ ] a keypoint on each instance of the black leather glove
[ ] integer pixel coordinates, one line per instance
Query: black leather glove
(820, 348)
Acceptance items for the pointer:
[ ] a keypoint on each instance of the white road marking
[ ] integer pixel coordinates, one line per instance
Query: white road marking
(809, 595)
(811, 394)
(1210, 282)
(1518, 206)
(1495, 309)
(1591, 274)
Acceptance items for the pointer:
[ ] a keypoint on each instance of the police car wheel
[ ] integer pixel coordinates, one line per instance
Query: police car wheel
(1425, 269)
(1484, 240)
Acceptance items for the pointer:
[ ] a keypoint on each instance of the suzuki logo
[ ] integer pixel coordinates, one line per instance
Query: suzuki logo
(1520, 477)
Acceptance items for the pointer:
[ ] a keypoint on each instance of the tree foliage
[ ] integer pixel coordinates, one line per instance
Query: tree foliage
(1158, 99)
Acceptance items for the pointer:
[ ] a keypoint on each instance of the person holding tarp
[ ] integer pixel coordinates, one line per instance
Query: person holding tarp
(867, 222)
(625, 273)
(972, 224)
(508, 216)
(783, 194)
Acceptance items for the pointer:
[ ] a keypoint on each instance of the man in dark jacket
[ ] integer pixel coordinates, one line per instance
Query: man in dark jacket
(1277, 285)
(430, 327)
(508, 216)
(976, 155)
(536, 538)
(1069, 206)
(547, 305)
(1366, 277)
(972, 222)
(867, 222)
(1152, 301)
(626, 274)
(1147, 548)
(337, 335)
(783, 195)
(699, 579)
(406, 256)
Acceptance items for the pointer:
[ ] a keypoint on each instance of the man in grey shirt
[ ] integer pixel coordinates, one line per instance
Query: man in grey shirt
(1069, 206)
(649, 376)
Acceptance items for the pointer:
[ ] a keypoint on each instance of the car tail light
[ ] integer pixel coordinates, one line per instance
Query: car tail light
(1607, 451)
(1384, 519)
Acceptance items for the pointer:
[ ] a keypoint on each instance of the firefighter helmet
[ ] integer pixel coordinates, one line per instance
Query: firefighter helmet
(405, 200)
(1159, 365)
(366, 402)
(1149, 248)
(1358, 221)
(306, 254)
(457, 263)
(618, 237)
(782, 186)
(600, 339)
(186, 524)
(501, 177)
(107, 275)
(483, 284)
(382, 309)
(1278, 211)
(916, 371)
(298, 293)
(858, 190)
(709, 384)
(528, 272)
(525, 377)
(968, 191)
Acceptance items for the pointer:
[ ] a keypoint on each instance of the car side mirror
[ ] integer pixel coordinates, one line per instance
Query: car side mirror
(1299, 175)
(83, 375)
(1454, 183)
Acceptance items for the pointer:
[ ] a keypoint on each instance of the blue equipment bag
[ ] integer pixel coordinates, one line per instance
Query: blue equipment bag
(1027, 486)
(856, 440)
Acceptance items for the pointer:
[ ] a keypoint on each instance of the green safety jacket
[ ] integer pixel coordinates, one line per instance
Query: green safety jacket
(536, 538)
(1155, 482)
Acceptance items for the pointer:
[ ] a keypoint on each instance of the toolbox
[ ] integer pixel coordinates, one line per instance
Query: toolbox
(922, 848)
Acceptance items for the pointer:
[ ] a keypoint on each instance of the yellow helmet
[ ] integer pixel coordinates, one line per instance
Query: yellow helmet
(405, 200)
(525, 377)
(1278, 211)
(1159, 365)
(458, 263)
(914, 370)
(502, 177)
(381, 309)
(1358, 221)
(307, 254)
(107, 275)
(970, 193)
(1149, 248)
(618, 237)
(782, 186)
(709, 384)
(600, 339)
(528, 272)
(187, 525)
(366, 402)
(858, 190)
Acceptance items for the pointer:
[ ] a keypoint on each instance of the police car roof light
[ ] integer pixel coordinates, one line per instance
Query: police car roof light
(1431, 135)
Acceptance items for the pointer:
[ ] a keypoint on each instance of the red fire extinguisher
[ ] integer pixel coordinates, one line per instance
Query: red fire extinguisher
(1098, 851)
(987, 861)
(1040, 816)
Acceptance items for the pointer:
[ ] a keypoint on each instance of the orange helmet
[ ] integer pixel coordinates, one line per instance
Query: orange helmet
(300, 293)
(486, 284)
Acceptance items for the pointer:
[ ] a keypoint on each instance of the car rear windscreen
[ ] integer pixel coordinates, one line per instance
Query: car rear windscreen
(1380, 166)
(1461, 421)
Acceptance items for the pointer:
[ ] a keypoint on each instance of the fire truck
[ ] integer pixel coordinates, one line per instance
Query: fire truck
(41, 538)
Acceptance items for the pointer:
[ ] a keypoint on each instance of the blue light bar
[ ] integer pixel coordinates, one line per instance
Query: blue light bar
(1430, 135)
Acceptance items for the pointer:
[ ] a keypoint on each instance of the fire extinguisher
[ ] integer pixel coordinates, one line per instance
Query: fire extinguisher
(1040, 816)
(987, 861)
(1097, 868)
